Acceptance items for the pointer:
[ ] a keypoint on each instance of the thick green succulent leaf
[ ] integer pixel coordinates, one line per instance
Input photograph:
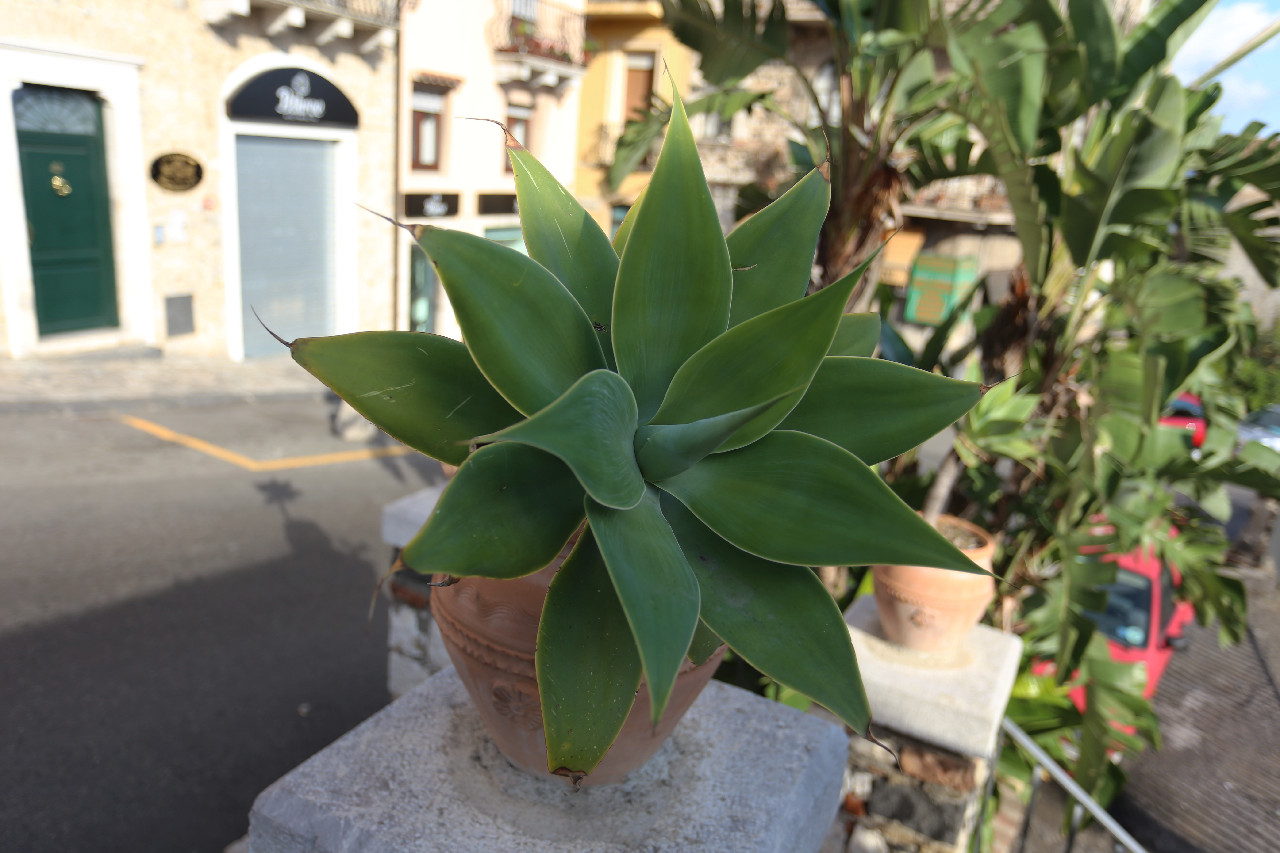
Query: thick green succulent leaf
(704, 644)
(674, 281)
(877, 409)
(772, 252)
(664, 450)
(799, 499)
(858, 335)
(587, 688)
(421, 389)
(561, 236)
(507, 513)
(527, 333)
(655, 585)
(591, 428)
(761, 359)
(780, 619)
(621, 236)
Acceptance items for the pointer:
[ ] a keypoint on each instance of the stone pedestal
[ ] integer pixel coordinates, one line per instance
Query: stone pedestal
(940, 715)
(415, 651)
(740, 773)
(402, 518)
(954, 700)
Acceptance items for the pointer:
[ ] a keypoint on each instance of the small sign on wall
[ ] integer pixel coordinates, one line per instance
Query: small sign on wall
(498, 203)
(176, 172)
(430, 205)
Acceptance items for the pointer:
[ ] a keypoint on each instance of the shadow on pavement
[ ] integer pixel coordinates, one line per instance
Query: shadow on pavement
(152, 725)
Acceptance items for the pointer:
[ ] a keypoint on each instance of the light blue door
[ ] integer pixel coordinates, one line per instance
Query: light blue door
(287, 238)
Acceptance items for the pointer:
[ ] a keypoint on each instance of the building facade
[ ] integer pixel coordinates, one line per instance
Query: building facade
(470, 69)
(631, 56)
(169, 167)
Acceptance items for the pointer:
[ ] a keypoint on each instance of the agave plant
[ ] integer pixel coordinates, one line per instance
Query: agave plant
(675, 396)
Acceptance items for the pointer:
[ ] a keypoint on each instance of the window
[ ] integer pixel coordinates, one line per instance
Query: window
(639, 84)
(1127, 618)
(511, 237)
(428, 113)
(518, 126)
(422, 293)
(617, 215)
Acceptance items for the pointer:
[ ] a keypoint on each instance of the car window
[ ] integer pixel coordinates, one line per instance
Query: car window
(1265, 418)
(1127, 619)
(1185, 409)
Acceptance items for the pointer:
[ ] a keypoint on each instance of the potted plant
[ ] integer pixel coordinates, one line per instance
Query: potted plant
(662, 417)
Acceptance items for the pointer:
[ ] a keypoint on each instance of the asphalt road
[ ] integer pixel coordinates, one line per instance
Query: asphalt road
(177, 631)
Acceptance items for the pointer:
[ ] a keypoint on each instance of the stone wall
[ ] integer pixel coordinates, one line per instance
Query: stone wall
(185, 66)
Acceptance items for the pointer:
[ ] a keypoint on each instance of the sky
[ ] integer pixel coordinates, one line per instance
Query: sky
(1251, 88)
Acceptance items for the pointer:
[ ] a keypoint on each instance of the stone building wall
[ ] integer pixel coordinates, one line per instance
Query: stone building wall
(183, 64)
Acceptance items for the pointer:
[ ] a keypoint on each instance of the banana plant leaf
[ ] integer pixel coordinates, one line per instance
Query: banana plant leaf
(799, 499)
(772, 252)
(586, 688)
(655, 585)
(733, 45)
(674, 280)
(1157, 38)
(591, 428)
(526, 332)
(561, 236)
(877, 409)
(780, 619)
(423, 390)
(1005, 76)
(530, 504)
(1096, 32)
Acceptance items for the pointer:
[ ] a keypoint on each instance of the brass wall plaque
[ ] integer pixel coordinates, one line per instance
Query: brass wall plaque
(177, 172)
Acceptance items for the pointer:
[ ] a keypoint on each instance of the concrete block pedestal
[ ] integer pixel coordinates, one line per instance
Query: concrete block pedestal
(740, 773)
(940, 714)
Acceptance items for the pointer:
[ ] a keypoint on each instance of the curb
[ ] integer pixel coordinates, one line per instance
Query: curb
(78, 405)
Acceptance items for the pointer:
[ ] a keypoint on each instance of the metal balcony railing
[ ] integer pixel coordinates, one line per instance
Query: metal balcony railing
(540, 29)
(1082, 802)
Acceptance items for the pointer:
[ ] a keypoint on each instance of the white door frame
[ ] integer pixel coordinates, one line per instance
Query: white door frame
(345, 181)
(115, 79)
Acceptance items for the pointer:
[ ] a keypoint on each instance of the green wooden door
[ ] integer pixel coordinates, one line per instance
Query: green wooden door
(64, 184)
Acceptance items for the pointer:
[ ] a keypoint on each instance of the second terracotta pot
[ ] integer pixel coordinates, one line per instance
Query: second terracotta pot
(931, 610)
(490, 629)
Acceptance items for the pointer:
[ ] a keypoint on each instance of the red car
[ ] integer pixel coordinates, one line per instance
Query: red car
(1186, 412)
(1143, 620)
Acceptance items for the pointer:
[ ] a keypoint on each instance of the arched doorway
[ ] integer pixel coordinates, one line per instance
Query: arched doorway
(291, 134)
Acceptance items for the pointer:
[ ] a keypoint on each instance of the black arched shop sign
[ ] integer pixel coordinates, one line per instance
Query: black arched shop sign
(294, 96)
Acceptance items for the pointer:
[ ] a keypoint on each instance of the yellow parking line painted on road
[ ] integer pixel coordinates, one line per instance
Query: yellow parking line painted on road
(245, 462)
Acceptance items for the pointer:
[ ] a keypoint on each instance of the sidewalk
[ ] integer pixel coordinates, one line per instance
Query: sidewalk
(102, 379)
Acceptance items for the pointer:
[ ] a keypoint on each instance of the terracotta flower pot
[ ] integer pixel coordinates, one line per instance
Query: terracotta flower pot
(490, 629)
(931, 610)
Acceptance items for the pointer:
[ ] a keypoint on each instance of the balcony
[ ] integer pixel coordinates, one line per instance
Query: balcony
(369, 25)
(644, 10)
(537, 42)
